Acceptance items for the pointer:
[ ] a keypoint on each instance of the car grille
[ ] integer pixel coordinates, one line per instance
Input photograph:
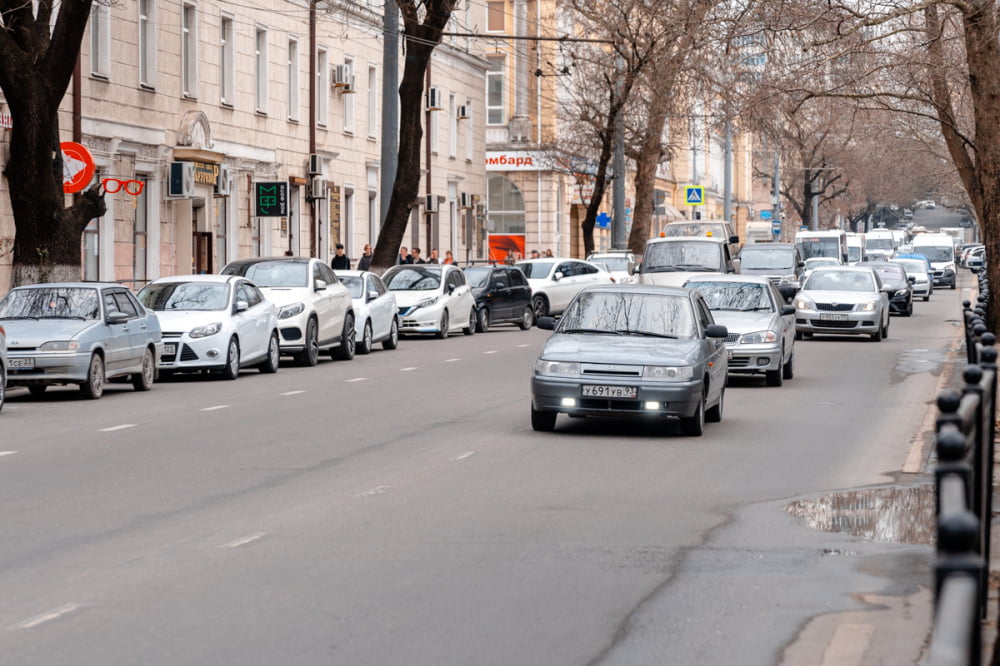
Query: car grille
(838, 307)
(611, 370)
(823, 323)
(404, 311)
(187, 354)
(172, 334)
(739, 362)
(616, 405)
(733, 337)
(21, 348)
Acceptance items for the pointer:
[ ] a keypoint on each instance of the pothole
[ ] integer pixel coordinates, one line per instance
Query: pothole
(915, 361)
(888, 514)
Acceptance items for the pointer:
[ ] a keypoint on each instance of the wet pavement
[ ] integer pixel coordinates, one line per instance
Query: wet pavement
(915, 361)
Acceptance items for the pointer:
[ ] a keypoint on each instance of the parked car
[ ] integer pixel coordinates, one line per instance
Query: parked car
(976, 258)
(315, 311)
(555, 281)
(3, 366)
(632, 351)
(672, 261)
(79, 333)
(214, 323)
(918, 272)
(892, 275)
(432, 298)
(620, 263)
(781, 263)
(844, 300)
(503, 296)
(377, 316)
(761, 325)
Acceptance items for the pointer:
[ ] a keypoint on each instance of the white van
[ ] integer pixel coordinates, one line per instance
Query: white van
(832, 243)
(855, 248)
(880, 244)
(759, 232)
(940, 251)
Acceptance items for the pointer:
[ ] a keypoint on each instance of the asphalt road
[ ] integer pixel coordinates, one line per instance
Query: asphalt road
(398, 509)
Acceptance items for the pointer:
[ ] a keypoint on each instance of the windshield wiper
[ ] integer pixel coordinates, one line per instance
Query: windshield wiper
(698, 267)
(660, 269)
(647, 334)
(34, 318)
(597, 331)
(62, 317)
(763, 308)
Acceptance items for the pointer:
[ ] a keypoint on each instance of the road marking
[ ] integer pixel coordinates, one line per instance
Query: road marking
(292, 392)
(214, 409)
(243, 541)
(491, 351)
(356, 379)
(406, 369)
(848, 645)
(464, 455)
(46, 617)
(524, 345)
(123, 426)
(7, 453)
(377, 490)
(451, 360)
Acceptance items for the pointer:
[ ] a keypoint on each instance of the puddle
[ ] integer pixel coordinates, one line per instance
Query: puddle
(915, 361)
(883, 515)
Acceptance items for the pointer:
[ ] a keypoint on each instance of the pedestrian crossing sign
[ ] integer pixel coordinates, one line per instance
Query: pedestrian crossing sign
(694, 195)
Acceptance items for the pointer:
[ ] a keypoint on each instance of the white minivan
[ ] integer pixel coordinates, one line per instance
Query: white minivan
(940, 251)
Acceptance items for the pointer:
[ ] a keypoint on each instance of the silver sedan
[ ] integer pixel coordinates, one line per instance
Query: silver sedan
(843, 301)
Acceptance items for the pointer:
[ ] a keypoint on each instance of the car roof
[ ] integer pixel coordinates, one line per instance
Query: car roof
(688, 239)
(340, 273)
(200, 278)
(846, 269)
(640, 289)
(546, 259)
(739, 279)
(257, 260)
(72, 285)
(769, 246)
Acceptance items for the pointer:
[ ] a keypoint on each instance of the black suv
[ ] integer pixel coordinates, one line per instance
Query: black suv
(503, 296)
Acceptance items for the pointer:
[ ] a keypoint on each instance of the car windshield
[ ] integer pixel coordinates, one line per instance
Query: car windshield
(878, 243)
(816, 262)
(51, 303)
(937, 253)
(353, 284)
(740, 296)
(610, 263)
(477, 277)
(819, 246)
(766, 258)
(273, 273)
(683, 256)
(840, 281)
(628, 313)
(695, 229)
(889, 272)
(201, 296)
(412, 278)
(536, 270)
(853, 253)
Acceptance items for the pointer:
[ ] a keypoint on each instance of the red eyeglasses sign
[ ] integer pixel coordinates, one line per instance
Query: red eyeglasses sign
(113, 185)
(78, 166)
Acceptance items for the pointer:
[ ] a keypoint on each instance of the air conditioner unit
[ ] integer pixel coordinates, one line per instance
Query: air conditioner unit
(223, 183)
(349, 88)
(317, 187)
(341, 76)
(464, 200)
(464, 113)
(315, 164)
(181, 180)
(433, 99)
(431, 203)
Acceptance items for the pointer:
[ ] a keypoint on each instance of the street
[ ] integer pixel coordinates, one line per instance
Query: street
(398, 509)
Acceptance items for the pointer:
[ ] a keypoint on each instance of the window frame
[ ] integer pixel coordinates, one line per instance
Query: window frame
(260, 69)
(146, 42)
(499, 72)
(373, 91)
(491, 14)
(348, 97)
(227, 59)
(100, 41)
(189, 50)
(294, 59)
(322, 87)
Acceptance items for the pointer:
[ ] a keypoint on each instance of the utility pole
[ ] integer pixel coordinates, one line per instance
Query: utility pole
(390, 104)
(727, 186)
(776, 189)
(619, 239)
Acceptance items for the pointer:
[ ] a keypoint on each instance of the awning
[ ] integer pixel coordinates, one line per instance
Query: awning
(669, 212)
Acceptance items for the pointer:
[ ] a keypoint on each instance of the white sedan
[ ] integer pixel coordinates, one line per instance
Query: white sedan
(375, 308)
(554, 282)
(215, 323)
(432, 298)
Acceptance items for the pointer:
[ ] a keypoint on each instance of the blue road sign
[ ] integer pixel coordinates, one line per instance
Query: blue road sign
(603, 220)
(765, 214)
(776, 228)
(694, 195)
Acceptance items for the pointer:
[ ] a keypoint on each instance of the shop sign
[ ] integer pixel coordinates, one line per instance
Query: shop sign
(271, 199)
(517, 160)
(205, 173)
(6, 121)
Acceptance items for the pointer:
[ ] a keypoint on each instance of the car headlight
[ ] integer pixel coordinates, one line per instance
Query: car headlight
(901, 292)
(205, 331)
(949, 267)
(668, 373)
(868, 307)
(428, 302)
(291, 310)
(757, 337)
(557, 368)
(59, 345)
(803, 303)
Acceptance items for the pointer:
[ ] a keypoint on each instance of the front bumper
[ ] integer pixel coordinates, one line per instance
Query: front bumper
(749, 359)
(194, 354)
(838, 323)
(421, 320)
(676, 399)
(292, 333)
(921, 288)
(47, 367)
(900, 304)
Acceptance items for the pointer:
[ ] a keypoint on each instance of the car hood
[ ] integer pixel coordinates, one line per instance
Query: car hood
(34, 332)
(840, 296)
(767, 272)
(281, 296)
(743, 322)
(181, 321)
(672, 278)
(631, 350)
(405, 299)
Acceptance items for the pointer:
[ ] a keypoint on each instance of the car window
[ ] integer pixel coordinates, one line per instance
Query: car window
(377, 283)
(327, 274)
(454, 279)
(704, 314)
(584, 269)
(517, 277)
(500, 278)
(135, 303)
(317, 274)
(245, 292)
(536, 270)
(567, 268)
(124, 304)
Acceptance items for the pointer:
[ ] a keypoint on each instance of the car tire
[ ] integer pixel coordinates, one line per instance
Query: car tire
(143, 380)
(443, 326)
(540, 306)
(694, 426)
(37, 390)
(483, 320)
(232, 368)
(527, 319)
(714, 414)
(392, 341)
(877, 335)
(798, 335)
(774, 377)
(788, 369)
(471, 328)
(543, 421)
(348, 342)
(909, 309)
(927, 298)
(309, 356)
(885, 331)
(269, 365)
(3, 387)
(366, 344)
(954, 284)
(93, 388)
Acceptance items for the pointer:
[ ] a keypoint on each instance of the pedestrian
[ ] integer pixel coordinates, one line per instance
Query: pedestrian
(288, 253)
(433, 259)
(535, 254)
(548, 253)
(448, 257)
(341, 262)
(366, 258)
(415, 256)
(404, 256)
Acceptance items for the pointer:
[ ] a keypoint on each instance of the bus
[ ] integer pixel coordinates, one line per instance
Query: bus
(831, 243)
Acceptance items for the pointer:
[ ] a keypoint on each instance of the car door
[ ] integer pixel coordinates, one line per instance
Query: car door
(118, 341)
(499, 286)
(249, 323)
(787, 321)
(138, 328)
(715, 352)
(563, 290)
(381, 308)
(520, 292)
(325, 302)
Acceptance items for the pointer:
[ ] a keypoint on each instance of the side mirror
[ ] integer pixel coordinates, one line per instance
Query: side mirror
(801, 264)
(451, 288)
(242, 306)
(788, 292)
(372, 295)
(886, 289)
(320, 285)
(911, 278)
(115, 317)
(716, 331)
(557, 276)
(546, 323)
(499, 286)
(734, 240)
(787, 310)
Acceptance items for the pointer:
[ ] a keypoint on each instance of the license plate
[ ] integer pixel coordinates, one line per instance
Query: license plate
(170, 349)
(610, 391)
(21, 363)
(833, 317)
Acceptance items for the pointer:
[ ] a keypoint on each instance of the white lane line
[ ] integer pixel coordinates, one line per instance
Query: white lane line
(7, 453)
(524, 345)
(377, 490)
(243, 541)
(356, 379)
(491, 351)
(46, 617)
(407, 369)
(464, 455)
(123, 426)
(215, 408)
(293, 392)
(451, 360)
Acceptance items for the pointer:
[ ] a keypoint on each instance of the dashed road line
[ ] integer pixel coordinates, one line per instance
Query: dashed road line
(356, 379)
(524, 345)
(46, 617)
(242, 541)
(377, 490)
(214, 408)
(465, 455)
(491, 351)
(123, 426)
(293, 392)
(451, 360)
(407, 369)
(7, 453)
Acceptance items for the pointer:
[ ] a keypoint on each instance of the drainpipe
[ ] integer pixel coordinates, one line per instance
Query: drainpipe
(313, 217)
(77, 102)
(428, 115)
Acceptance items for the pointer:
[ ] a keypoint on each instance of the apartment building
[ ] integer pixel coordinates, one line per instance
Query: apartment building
(208, 105)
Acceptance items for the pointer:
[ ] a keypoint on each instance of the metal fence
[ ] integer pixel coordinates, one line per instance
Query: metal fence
(964, 483)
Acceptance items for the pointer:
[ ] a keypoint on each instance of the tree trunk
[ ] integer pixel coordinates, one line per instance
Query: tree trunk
(650, 154)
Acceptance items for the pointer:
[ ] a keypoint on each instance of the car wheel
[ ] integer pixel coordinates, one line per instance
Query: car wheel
(774, 377)
(37, 390)
(3, 387)
(443, 327)
(714, 414)
(543, 421)
(798, 335)
(471, 328)
(540, 306)
(954, 284)
(348, 342)
(788, 369)
(527, 319)
(392, 341)
(269, 366)
(483, 320)
(927, 298)
(232, 367)
(877, 335)
(143, 381)
(365, 346)
(694, 426)
(93, 388)
(909, 309)
(885, 330)
(310, 355)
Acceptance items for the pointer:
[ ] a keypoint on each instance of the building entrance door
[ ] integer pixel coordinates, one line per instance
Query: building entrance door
(203, 255)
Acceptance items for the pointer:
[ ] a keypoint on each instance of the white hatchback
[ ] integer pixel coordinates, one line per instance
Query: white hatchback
(375, 307)
(554, 282)
(432, 298)
(213, 322)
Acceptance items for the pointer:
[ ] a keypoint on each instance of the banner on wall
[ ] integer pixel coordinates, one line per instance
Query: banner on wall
(504, 245)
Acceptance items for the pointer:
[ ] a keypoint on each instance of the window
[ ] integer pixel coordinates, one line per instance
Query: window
(189, 51)
(348, 97)
(372, 101)
(100, 40)
(452, 126)
(139, 233)
(505, 205)
(147, 43)
(495, 111)
(432, 130)
(496, 15)
(467, 129)
(322, 87)
(293, 79)
(260, 70)
(227, 71)
(123, 304)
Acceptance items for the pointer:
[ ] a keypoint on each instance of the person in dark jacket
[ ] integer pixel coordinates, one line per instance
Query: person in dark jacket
(341, 262)
(366, 258)
(404, 256)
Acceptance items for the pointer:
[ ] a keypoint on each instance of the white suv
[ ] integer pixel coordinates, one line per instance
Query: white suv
(555, 281)
(315, 311)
